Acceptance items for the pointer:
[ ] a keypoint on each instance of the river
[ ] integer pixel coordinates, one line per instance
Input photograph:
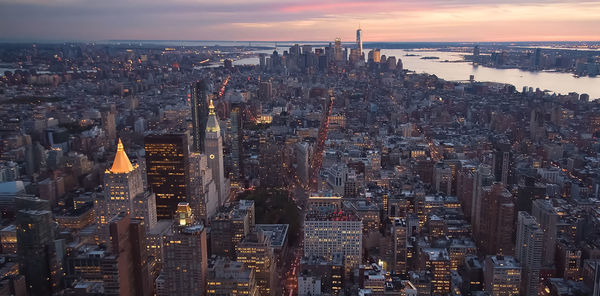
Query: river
(562, 83)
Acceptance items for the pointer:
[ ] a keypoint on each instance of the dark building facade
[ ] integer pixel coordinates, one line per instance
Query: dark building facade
(167, 167)
(36, 250)
(126, 271)
(199, 102)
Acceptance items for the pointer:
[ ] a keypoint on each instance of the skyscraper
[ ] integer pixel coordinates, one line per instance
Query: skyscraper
(230, 226)
(109, 124)
(359, 43)
(400, 237)
(213, 145)
(546, 216)
(36, 251)
(529, 252)
(203, 195)
(437, 260)
(255, 252)
(338, 232)
(199, 102)
(503, 161)
(237, 134)
(125, 271)
(185, 257)
(483, 178)
(123, 182)
(265, 91)
(494, 233)
(167, 168)
(502, 275)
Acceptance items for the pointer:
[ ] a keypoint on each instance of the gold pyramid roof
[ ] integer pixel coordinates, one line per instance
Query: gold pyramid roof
(212, 124)
(121, 164)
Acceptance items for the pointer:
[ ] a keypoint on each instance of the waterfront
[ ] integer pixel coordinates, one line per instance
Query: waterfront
(458, 70)
(563, 83)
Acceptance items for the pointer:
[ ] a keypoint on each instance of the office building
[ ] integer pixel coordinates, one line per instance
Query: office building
(400, 237)
(125, 271)
(502, 275)
(309, 285)
(36, 251)
(546, 216)
(122, 183)
(265, 91)
(109, 124)
(213, 146)
(330, 272)
(199, 103)
(271, 158)
(167, 169)
(568, 259)
(185, 261)
(230, 226)
(359, 43)
(437, 261)
(256, 253)
(528, 252)
(502, 163)
(326, 234)
(496, 226)
(231, 278)
(442, 178)
(471, 271)
(483, 178)
(203, 195)
(237, 147)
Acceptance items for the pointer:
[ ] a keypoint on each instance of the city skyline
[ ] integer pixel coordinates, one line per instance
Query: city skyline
(404, 154)
(269, 20)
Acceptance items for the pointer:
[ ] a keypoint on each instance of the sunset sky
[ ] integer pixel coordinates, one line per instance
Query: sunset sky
(314, 20)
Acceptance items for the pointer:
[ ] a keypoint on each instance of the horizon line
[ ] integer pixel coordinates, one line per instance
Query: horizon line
(56, 41)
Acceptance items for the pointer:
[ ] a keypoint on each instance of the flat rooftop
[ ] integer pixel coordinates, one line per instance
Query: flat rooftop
(276, 232)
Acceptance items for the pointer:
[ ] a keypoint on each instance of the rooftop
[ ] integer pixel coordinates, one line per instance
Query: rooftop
(276, 232)
(121, 164)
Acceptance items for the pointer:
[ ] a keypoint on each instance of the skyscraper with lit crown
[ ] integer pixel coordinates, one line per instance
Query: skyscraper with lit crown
(213, 144)
(123, 182)
(124, 193)
(185, 256)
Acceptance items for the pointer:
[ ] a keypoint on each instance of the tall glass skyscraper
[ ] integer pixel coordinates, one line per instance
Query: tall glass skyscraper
(167, 167)
(199, 102)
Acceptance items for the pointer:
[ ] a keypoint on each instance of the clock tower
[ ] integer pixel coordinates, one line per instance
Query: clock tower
(213, 147)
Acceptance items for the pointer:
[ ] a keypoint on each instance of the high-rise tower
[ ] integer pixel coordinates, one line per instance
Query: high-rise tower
(213, 145)
(359, 40)
(167, 168)
(185, 256)
(529, 249)
(123, 182)
(36, 248)
(199, 102)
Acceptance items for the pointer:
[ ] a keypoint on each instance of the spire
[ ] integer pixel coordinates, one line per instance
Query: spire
(211, 108)
(121, 164)
(212, 124)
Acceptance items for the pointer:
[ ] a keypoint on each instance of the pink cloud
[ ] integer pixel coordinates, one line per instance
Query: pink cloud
(340, 7)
